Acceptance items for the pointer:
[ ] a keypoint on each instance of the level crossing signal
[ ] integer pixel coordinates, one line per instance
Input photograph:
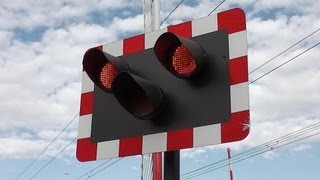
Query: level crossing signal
(180, 87)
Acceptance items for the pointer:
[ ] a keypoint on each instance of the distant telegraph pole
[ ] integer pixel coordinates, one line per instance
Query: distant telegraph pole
(229, 163)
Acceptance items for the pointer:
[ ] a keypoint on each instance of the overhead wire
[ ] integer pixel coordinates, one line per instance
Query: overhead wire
(248, 157)
(87, 173)
(216, 7)
(171, 12)
(108, 166)
(52, 141)
(282, 52)
(286, 62)
(274, 144)
(53, 158)
(271, 143)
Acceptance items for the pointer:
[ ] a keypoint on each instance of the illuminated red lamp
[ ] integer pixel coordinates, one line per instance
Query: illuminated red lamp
(183, 57)
(108, 73)
(102, 67)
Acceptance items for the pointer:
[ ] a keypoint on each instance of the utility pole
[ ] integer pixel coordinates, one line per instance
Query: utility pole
(152, 23)
(171, 158)
(229, 163)
(151, 15)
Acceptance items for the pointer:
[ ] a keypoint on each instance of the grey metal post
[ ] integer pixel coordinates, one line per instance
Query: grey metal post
(171, 159)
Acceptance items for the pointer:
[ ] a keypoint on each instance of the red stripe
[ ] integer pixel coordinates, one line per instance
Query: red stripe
(130, 146)
(238, 70)
(183, 29)
(133, 44)
(233, 20)
(180, 139)
(157, 166)
(86, 150)
(235, 129)
(86, 103)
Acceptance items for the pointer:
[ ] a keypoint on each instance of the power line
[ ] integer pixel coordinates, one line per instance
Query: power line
(268, 145)
(54, 139)
(171, 12)
(217, 7)
(42, 168)
(282, 52)
(265, 148)
(219, 167)
(104, 168)
(285, 63)
(87, 173)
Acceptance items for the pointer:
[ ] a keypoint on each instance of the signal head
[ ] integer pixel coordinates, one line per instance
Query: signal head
(102, 67)
(184, 58)
(140, 97)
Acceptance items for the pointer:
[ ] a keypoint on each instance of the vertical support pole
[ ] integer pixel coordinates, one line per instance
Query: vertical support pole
(147, 8)
(229, 163)
(171, 164)
(171, 159)
(155, 14)
(151, 15)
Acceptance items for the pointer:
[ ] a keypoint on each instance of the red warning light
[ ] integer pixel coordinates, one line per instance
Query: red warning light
(108, 72)
(183, 61)
(102, 68)
(182, 57)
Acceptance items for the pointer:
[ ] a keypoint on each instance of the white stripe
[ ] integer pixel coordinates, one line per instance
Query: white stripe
(204, 25)
(151, 38)
(87, 84)
(114, 48)
(207, 135)
(239, 97)
(84, 129)
(154, 143)
(108, 149)
(238, 44)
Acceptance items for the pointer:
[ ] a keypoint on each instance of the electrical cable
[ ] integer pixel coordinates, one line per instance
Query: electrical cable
(90, 176)
(217, 7)
(233, 162)
(87, 173)
(43, 167)
(291, 59)
(264, 148)
(171, 12)
(282, 52)
(267, 145)
(54, 139)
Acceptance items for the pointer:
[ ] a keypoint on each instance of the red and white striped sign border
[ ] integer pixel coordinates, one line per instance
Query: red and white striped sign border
(237, 128)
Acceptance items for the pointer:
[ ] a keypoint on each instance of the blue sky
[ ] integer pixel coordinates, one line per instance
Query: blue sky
(41, 49)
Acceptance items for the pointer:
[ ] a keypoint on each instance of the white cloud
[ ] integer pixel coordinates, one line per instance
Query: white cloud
(302, 147)
(31, 14)
(194, 153)
(270, 155)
